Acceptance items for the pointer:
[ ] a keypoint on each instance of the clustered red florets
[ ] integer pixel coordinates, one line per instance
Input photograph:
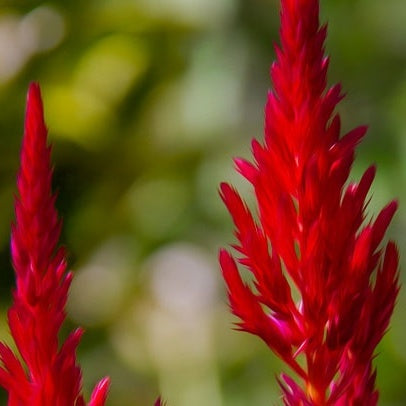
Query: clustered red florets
(48, 374)
(311, 232)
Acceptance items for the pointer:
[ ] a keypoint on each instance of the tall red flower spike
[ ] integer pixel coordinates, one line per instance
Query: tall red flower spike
(44, 373)
(311, 234)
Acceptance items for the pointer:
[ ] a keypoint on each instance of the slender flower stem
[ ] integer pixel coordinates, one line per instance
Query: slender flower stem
(311, 232)
(47, 374)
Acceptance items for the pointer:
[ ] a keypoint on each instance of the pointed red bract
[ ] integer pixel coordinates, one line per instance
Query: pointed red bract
(311, 232)
(47, 374)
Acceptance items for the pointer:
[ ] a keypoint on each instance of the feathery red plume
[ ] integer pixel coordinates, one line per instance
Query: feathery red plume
(47, 374)
(311, 232)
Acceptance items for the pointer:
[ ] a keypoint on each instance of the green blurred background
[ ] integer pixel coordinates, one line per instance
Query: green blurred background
(147, 101)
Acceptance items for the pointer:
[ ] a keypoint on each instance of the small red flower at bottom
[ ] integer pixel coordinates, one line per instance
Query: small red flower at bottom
(159, 402)
(46, 374)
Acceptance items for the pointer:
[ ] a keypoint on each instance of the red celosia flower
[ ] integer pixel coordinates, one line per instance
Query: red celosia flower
(47, 374)
(311, 234)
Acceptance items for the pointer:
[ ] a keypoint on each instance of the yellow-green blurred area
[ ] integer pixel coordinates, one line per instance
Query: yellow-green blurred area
(147, 101)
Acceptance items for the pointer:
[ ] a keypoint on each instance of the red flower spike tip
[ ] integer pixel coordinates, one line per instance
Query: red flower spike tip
(44, 373)
(311, 233)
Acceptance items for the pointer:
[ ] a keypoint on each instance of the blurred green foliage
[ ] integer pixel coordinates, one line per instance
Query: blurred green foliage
(147, 101)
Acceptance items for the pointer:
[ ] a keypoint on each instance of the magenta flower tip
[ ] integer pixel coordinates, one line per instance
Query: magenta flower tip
(100, 392)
